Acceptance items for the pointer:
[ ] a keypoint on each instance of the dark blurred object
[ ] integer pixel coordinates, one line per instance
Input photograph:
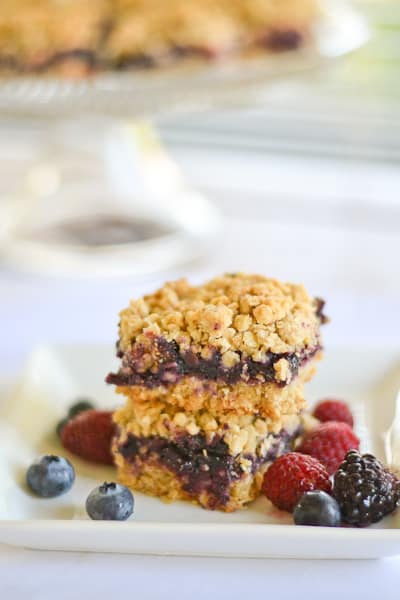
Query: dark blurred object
(101, 230)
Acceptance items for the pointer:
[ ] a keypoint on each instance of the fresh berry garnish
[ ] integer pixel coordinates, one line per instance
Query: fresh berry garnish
(110, 502)
(317, 508)
(80, 406)
(365, 490)
(290, 476)
(60, 425)
(89, 435)
(329, 443)
(50, 476)
(333, 410)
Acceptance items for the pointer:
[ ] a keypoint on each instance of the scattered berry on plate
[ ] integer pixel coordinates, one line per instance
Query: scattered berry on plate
(328, 443)
(50, 476)
(365, 489)
(110, 502)
(290, 476)
(79, 406)
(333, 410)
(60, 425)
(89, 436)
(317, 508)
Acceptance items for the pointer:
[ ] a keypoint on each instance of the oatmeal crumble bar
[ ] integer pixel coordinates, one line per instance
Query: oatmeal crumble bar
(68, 35)
(213, 379)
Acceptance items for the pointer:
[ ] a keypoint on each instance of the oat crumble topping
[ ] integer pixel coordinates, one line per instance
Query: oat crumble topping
(239, 315)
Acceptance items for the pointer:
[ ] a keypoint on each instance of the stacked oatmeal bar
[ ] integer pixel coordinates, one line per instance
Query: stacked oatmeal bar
(213, 380)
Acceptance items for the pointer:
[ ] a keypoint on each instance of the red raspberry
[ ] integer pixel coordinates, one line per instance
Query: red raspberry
(333, 410)
(290, 476)
(329, 443)
(89, 435)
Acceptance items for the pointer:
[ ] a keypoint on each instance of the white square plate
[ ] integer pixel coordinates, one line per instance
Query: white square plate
(54, 376)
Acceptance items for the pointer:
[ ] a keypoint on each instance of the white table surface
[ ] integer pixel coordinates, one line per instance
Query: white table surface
(352, 263)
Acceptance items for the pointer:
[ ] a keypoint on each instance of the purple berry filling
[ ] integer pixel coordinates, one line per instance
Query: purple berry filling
(201, 466)
(281, 40)
(172, 365)
(86, 57)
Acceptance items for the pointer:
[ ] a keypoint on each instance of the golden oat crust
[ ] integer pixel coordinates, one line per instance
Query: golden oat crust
(155, 480)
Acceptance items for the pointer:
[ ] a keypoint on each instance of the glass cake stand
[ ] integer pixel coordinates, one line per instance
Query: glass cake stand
(101, 196)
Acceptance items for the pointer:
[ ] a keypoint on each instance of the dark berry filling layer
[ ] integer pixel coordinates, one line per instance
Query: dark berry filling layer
(87, 58)
(201, 466)
(283, 39)
(170, 365)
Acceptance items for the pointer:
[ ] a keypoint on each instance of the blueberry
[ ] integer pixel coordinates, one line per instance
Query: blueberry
(50, 476)
(80, 406)
(110, 502)
(60, 425)
(317, 508)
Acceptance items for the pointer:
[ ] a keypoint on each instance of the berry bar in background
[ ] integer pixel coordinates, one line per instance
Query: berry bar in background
(78, 37)
(213, 379)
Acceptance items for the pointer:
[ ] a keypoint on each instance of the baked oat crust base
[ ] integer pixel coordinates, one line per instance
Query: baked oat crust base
(155, 480)
(268, 400)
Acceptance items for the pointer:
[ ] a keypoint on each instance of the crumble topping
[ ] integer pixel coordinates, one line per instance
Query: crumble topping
(238, 315)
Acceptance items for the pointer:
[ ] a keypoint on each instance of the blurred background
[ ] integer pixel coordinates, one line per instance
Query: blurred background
(300, 181)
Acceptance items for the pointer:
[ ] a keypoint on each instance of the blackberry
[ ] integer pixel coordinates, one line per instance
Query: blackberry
(365, 490)
(79, 406)
(60, 426)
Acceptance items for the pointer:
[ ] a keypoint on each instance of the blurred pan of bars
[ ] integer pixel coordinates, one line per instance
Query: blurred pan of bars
(350, 110)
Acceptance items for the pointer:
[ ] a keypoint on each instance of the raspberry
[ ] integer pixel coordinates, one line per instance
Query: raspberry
(89, 435)
(290, 476)
(333, 410)
(365, 490)
(329, 443)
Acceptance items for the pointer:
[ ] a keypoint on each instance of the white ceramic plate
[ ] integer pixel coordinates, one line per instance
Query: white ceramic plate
(366, 378)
